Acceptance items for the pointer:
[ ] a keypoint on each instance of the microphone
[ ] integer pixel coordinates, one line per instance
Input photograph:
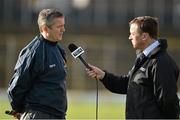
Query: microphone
(76, 52)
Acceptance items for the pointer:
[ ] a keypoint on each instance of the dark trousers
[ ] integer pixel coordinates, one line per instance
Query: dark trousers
(34, 114)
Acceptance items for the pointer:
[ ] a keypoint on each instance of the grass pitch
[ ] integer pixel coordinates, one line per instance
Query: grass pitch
(81, 110)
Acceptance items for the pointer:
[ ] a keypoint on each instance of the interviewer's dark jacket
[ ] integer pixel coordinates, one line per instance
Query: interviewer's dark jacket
(150, 87)
(39, 79)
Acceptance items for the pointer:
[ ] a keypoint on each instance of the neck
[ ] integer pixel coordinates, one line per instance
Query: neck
(148, 43)
(47, 37)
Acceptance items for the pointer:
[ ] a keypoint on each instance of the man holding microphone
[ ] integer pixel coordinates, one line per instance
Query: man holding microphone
(151, 84)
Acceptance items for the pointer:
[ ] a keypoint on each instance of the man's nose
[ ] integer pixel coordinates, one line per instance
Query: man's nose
(64, 29)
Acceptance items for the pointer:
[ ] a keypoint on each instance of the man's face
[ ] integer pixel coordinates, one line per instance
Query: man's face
(56, 30)
(136, 37)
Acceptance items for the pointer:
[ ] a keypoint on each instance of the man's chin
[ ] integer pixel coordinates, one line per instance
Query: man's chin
(134, 47)
(59, 39)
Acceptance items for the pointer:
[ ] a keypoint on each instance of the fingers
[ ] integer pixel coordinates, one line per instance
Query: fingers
(17, 115)
(95, 72)
(91, 66)
(91, 73)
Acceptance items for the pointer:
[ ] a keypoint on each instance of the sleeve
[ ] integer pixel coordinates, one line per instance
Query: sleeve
(116, 84)
(22, 79)
(165, 87)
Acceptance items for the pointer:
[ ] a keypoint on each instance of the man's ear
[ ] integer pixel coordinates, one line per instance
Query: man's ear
(145, 36)
(44, 28)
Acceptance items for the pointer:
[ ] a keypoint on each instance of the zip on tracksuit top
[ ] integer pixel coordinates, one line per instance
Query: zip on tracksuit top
(39, 79)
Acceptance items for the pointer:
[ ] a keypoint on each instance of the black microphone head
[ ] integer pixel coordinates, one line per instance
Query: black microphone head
(72, 47)
(76, 53)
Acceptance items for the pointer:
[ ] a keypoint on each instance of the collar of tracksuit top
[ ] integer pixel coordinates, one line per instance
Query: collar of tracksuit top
(47, 41)
(54, 44)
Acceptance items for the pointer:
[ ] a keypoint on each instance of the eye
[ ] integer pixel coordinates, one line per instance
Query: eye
(60, 26)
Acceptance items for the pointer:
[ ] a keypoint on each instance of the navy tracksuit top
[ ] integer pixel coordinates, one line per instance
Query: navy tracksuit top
(39, 79)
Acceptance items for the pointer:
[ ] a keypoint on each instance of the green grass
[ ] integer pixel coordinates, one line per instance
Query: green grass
(81, 110)
(106, 110)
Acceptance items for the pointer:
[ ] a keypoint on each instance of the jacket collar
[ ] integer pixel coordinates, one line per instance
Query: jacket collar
(47, 41)
(161, 47)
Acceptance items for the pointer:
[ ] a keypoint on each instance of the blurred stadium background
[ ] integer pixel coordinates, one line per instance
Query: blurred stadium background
(100, 27)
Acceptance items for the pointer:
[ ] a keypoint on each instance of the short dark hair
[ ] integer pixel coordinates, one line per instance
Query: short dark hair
(46, 17)
(147, 24)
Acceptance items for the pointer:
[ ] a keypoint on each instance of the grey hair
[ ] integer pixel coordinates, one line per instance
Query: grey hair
(46, 17)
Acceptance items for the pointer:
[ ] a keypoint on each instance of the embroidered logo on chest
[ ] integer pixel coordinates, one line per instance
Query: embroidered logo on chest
(52, 65)
(142, 69)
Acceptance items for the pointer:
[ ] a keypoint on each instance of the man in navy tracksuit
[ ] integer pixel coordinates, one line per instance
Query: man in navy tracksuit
(37, 89)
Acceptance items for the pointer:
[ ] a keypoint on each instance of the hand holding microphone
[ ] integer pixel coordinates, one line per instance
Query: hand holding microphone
(95, 72)
(91, 70)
